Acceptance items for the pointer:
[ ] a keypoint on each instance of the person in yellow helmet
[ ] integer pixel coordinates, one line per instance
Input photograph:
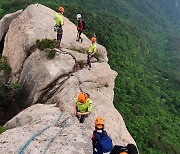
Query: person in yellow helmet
(59, 23)
(102, 143)
(82, 106)
(91, 51)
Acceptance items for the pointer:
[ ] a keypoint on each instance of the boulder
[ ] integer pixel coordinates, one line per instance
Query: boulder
(6, 21)
(37, 22)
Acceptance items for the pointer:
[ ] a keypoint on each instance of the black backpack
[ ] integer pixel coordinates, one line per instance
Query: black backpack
(117, 149)
(130, 149)
(84, 24)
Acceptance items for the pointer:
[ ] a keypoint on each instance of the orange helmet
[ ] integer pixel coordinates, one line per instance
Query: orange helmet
(82, 97)
(123, 152)
(61, 9)
(93, 39)
(99, 122)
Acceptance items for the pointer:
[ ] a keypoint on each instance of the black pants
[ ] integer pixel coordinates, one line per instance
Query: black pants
(59, 34)
(79, 34)
(89, 60)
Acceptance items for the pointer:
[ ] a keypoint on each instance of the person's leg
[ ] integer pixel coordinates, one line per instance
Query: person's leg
(82, 118)
(59, 37)
(89, 61)
(80, 38)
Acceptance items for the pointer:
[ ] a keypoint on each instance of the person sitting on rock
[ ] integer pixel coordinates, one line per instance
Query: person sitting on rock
(102, 143)
(129, 149)
(82, 106)
(59, 23)
(91, 51)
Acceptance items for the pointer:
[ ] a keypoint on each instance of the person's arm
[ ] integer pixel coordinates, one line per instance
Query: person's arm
(94, 51)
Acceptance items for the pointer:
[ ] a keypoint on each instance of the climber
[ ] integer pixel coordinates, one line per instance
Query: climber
(82, 106)
(59, 23)
(91, 51)
(102, 143)
(80, 27)
(129, 149)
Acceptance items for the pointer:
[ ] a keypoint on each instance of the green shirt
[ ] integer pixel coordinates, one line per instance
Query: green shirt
(84, 107)
(59, 19)
(92, 48)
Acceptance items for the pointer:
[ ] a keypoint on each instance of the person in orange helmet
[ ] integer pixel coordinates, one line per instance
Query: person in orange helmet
(82, 106)
(102, 143)
(91, 51)
(59, 23)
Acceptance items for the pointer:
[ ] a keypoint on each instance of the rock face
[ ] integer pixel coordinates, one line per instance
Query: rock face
(5, 22)
(37, 22)
(55, 84)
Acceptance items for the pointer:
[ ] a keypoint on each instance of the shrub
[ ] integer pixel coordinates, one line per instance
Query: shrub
(15, 86)
(4, 65)
(46, 44)
(2, 129)
(50, 54)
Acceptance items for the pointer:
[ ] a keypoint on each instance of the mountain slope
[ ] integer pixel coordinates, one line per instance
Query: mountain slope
(142, 38)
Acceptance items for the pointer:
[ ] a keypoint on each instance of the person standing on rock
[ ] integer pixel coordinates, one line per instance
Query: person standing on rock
(82, 106)
(102, 143)
(80, 27)
(59, 23)
(91, 51)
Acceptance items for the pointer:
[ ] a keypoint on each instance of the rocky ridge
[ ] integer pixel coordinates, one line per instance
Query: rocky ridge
(50, 86)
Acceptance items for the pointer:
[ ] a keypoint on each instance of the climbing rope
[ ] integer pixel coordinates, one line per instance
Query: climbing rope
(37, 134)
(52, 139)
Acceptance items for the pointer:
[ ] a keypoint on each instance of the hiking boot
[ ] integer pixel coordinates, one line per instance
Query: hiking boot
(82, 119)
(81, 40)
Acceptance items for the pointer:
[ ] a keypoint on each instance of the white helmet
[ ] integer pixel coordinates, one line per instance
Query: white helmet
(78, 16)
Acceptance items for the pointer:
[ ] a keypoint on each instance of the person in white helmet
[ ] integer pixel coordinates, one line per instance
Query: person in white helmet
(80, 27)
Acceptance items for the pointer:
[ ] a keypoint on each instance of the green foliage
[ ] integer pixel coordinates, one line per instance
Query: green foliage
(2, 129)
(46, 44)
(4, 65)
(50, 54)
(15, 86)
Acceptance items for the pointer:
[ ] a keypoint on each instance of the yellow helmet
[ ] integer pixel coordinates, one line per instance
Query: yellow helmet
(99, 122)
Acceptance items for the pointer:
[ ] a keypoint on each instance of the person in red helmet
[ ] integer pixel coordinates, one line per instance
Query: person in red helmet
(82, 106)
(59, 23)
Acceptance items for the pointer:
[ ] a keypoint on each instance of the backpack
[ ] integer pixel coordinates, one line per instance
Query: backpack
(132, 149)
(104, 142)
(118, 149)
(84, 24)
